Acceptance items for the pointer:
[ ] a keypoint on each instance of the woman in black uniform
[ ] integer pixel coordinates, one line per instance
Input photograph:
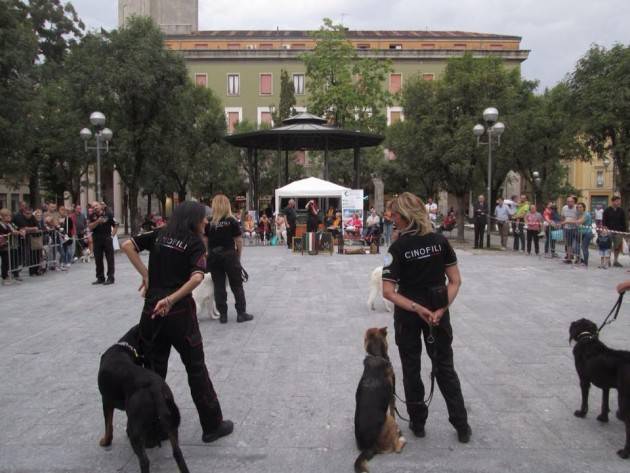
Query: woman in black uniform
(225, 245)
(177, 262)
(420, 261)
(312, 223)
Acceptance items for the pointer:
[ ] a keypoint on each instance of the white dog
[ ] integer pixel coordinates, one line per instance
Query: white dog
(204, 296)
(86, 254)
(376, 289)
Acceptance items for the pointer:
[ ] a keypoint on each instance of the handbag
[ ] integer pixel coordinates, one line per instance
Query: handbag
(37, 242)
(557, 235)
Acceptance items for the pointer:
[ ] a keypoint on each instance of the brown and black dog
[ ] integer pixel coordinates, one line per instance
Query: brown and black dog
(605, 368)
(152, 415)
(375, 427)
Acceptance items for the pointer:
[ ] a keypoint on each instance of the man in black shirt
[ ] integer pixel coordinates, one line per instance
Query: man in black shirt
(289, 211)
(28, 256)
(615, 219)
(481, 212)
(103, 226)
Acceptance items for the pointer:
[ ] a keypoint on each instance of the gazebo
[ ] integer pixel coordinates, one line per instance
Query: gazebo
(303, 131)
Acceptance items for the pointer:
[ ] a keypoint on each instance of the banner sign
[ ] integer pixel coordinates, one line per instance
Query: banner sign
(351, 203)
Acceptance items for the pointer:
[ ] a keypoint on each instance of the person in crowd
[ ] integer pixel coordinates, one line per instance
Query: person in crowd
(264, 228)
(9, 243)
(25, 220)
(335, 225)
(449, 222)
(291, 215)
(432, 210)
(148, 225)
(177, 262)
(604, 244)
(585, 231)
(80, 227)
(159, 221)
(614, 219)
(372, 225)
(66, 229)
(249, 229)
(533, 221)
(419, 263)
(480, 211)
(330, 216)
(281, 228)
(599, 215)
(518, 222)
(52, 245)
(225, 246)
(312, 210)
(354, 225)
(569, 223)
(388, 225)
(103, 227)
(551, 222)
(502, 215)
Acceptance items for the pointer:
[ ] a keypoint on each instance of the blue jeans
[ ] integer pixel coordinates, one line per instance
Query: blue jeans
(586, 241)
(387, 230)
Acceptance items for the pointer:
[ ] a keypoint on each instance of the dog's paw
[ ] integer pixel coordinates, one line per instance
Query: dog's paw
(623, 453)
(580, 414)
(602, 417)
(105, 442)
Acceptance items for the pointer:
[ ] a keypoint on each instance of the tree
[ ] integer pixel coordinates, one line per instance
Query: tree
(287, 99)
(600, 91)
(140, 77)
(341, 85)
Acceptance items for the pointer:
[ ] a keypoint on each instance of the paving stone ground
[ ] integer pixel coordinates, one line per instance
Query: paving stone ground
(288, 378)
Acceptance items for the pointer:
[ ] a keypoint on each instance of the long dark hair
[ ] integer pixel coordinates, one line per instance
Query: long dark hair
(185, 219)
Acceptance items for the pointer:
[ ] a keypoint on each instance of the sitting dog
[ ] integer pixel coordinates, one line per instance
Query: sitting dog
(203, 295)
(375, 427)
(152, 415)
(376, 289)
(86, 254)
(605, 368)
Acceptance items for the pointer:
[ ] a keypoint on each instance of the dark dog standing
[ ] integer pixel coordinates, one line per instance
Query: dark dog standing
(375, 427)
(604, 367)
(152, 415)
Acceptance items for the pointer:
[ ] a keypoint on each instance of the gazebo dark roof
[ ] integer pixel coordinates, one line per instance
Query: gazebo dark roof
(304, 131)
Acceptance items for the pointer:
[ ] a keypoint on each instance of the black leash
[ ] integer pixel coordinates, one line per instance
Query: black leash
(431, 352)
(615, 309)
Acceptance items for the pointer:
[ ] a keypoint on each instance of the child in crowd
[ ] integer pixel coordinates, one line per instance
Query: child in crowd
(604, 243)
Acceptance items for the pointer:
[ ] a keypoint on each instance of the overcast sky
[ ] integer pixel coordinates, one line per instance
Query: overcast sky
(558, 32)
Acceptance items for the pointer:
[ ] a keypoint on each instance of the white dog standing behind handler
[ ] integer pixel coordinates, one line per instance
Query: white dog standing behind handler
(203, 295)
(376, 289)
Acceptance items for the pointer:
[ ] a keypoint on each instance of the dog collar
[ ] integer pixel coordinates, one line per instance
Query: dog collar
(588, 336)
(129, 347)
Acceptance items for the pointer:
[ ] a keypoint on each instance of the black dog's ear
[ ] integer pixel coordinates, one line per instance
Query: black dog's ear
(383, 331)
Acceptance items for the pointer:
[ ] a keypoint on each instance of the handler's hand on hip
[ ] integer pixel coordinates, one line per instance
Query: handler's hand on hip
(162, 308)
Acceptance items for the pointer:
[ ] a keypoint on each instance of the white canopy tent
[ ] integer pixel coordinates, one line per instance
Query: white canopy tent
(309, 187)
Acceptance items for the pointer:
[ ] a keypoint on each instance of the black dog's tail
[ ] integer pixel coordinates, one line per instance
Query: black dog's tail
(361, 463)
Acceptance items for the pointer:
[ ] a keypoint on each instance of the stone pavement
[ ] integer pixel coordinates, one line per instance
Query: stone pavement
(288, 379)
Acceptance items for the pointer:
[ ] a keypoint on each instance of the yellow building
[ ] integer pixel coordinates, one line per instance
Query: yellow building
(593, 179)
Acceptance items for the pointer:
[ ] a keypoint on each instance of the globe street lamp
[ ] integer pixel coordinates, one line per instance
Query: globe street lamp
(103, 135)
(494, 130)
(537, 181)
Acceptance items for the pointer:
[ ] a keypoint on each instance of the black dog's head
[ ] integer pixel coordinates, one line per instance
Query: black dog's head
(376, 342)
(582, 327)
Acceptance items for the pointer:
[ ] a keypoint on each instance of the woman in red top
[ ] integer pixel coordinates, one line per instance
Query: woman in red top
(533, 221)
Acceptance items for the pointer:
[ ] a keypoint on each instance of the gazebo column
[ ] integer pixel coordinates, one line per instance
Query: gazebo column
(279, 163)
(256, 179)
(286, 167)
(252, 178)
(357, 155)
(326, 175)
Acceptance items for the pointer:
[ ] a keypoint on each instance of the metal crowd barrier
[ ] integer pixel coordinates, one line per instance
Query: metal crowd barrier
(36, 251)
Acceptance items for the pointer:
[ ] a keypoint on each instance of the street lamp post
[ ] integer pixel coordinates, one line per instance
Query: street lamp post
(537, 181)
(103, 136)
(494, 129)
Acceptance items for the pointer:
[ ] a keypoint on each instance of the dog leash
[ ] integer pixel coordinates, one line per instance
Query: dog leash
(615, 309)
(430, 343)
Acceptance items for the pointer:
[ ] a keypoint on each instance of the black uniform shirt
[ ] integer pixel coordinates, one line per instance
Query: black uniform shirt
(418, 262)
(615, 219)
(21, 221)
(481, 210)
(103, 230)
(223, 233)
(291, 216)
(171, 260)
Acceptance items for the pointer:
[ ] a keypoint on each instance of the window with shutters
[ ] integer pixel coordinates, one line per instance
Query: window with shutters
(395, 83)
(201, 80)
(266, 84)
(233, 84)
(298, 84)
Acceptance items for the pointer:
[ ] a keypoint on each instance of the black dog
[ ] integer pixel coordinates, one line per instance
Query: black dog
(605, 368)
(152, 415)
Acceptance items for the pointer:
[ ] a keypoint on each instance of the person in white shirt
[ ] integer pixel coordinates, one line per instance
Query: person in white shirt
(432, 210)
(599, 215)
(372, 224)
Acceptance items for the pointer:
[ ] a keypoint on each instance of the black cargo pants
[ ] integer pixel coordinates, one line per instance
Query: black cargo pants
(180, 329)
(409, 330)
(222, 265)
